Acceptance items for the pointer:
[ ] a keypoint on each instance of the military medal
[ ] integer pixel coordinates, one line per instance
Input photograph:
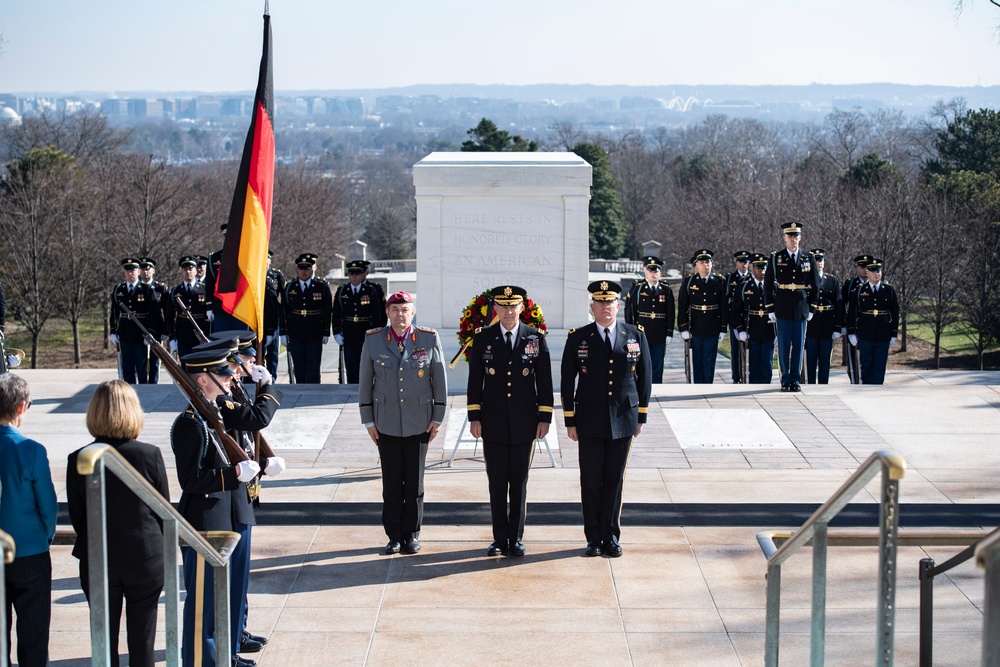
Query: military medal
(420, 373)
(525, 372)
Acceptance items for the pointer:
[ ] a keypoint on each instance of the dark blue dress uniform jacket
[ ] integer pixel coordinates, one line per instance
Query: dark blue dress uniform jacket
(829, 315)
(606, 396)
(703, 306)
(874, 316)
(177, 325)
(510, 391)
(143, 302)
(653, 308)
(307, 313)
(790, 288)
(354, 314)
(752, 317)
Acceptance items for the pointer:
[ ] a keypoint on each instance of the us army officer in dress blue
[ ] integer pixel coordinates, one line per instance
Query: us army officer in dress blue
(402, 393)
(510, 405)
(605, 391)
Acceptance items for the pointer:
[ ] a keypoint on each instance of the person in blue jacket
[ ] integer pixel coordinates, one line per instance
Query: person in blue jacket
(28, 514)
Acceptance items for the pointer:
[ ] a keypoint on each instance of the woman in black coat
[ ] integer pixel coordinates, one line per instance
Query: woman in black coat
(135, 533)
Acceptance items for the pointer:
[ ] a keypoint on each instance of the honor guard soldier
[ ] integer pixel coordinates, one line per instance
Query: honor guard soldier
(650, 303)
(873, 323)
(703, 315)
(510, 406)
(790, 290)
(753, 327)
(359, 305)
(274, 290)
(402, 395)
(177, 327)
(825, 326)
(133, 353)
(220, 319)
(847, 293)
(734, 281)
(214, 496)
(147, 276)
(201, 266)
(308, 311)
(606, 384)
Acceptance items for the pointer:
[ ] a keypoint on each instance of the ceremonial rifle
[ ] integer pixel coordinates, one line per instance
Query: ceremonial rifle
(187, 386)
(340, 365)
(688, 360)
(263, 449)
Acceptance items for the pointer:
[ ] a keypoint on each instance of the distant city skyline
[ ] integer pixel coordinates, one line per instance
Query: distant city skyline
(118, 46)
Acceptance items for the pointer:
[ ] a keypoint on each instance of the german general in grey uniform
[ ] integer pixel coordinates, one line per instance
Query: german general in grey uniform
(605, 396)
(790, 291)
(825, 326)
(402, 393)
(141, 300)
(510, 405)
(650, 303)
(873, 323)
(308, 309)
(703, 315)
(734, 282)
(358, 306)
(753, 327)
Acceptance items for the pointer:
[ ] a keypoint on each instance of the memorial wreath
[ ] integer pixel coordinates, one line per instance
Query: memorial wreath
(477, 315)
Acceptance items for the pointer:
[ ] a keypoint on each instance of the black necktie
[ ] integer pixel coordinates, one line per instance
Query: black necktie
(510, 343)
(607, 339)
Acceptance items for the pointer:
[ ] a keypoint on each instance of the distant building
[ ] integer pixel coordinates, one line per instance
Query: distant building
(114, 108)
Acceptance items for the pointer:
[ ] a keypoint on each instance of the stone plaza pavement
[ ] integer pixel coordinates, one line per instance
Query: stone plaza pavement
(710, 468)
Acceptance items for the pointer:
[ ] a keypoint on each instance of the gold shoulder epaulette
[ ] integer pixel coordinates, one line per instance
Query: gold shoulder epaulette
(639, 327)
(427, 330)
(374, 331)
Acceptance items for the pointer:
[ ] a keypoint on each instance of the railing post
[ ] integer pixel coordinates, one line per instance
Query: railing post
(888, 529)
(97, 554)
(817, 641)
(773, 623)
(223, 648)
(991, 604)
(926, 612)
(171, 589)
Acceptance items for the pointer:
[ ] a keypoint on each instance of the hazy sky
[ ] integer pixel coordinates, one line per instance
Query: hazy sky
(214, 45)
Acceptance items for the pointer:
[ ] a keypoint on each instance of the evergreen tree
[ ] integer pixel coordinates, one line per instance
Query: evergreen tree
(607, 217)
(486, 137)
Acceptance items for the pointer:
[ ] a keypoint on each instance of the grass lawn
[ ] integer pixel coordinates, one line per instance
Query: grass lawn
(952, 340)
(55, 345)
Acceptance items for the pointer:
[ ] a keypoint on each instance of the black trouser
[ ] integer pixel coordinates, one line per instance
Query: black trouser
(140, 584)
(507, 469)
(28, 581)
(352, 363)
(402, 462)
(307, 358)
(602, 474)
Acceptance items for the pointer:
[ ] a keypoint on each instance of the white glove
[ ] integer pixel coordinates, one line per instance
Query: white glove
(669, 339)
(267, 340)
(836, 335)
(772, 318)
(275, 466)
(686, 335)
(743, 336)
(247, 470)
(892, 341)
(173, 346)
(853, 339)
(114, 339)
(339, 338)
(843, 331)
(809, 317)
(261, 375)
(284, 341)
(210, 316)
(722, 336)
(326, 339)
(13, 361)
(164, 339)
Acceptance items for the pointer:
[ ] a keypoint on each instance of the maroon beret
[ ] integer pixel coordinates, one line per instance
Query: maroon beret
(399, 297)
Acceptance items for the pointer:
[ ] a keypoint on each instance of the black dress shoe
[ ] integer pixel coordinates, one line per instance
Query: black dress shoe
(593, 549)
(240, 661)
(248, 645)
(612, 549)
(786, 387)
(411, 546)
(392, 547)
(516, 548)
(257, 638)
(496, 549)
(795, 386)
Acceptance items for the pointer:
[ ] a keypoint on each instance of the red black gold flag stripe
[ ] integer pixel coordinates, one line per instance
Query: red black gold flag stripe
(242, 276)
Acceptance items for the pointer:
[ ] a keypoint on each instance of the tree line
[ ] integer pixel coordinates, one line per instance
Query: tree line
(77, 195)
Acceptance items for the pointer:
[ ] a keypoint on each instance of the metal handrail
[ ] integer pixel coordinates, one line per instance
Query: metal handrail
(892, 466)
(215, 547)
(9, 551)
(988, 558)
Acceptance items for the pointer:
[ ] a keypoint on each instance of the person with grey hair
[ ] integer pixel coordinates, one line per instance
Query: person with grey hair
(28, 514)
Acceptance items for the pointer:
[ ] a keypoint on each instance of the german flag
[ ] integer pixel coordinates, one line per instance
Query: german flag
(242, 275)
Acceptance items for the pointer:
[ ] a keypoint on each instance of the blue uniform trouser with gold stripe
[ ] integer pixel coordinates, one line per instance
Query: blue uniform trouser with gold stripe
(874, 357)
(791, 340)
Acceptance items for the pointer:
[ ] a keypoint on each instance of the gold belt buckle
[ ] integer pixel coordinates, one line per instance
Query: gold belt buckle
(875, 313)
(253, 489)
